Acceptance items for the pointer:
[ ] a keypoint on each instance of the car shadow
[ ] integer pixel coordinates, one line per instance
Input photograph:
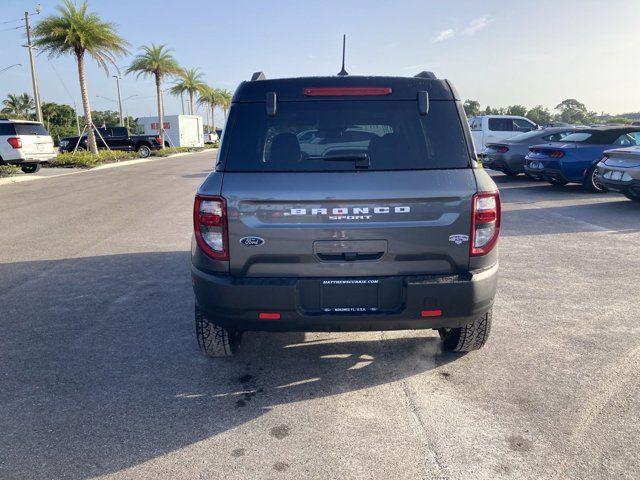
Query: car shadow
(101, 371)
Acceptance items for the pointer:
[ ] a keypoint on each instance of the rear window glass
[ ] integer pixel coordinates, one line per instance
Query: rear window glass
(338, 135)
(7, 129)
(501, 124)
(577, 137)
(30, 129)
(523, 137)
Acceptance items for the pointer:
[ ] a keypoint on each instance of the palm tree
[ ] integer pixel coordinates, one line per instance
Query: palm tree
(225, 96)
(178, 90)
(18, 105)
(211, 98)
(76, 31)
(156, 60)
(191, 83)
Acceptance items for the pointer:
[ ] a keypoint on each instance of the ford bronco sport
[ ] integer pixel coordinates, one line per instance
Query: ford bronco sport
(345, 204)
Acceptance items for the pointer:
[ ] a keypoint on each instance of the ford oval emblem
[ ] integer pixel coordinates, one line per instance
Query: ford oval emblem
(252, 241)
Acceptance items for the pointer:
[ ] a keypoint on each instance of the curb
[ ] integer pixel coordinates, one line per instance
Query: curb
(19, 179)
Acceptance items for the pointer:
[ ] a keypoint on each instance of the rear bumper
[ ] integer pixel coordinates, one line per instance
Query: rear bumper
(31, 158)
(501, 163)
(630, 186)
(236, 303)
(547, 173)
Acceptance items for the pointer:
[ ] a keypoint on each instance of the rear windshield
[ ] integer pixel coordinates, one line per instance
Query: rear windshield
(521, 137)
(30, 129)
(345, 135)
(577, 137)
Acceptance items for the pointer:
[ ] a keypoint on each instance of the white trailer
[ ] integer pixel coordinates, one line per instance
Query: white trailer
(179, 130)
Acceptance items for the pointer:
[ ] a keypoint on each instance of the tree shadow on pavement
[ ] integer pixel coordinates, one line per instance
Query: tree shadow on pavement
(100, 368)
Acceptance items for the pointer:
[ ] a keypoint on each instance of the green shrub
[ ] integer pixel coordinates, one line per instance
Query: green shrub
(84, 159)
(8, 170)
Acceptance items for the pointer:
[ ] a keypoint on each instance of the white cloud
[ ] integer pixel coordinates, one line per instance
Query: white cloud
(444, 35)
(476, 25)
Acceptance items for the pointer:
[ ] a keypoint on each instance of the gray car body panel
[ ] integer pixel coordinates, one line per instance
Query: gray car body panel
(412, 215)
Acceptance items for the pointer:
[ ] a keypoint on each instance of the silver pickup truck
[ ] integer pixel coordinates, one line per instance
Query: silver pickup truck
(345, 204)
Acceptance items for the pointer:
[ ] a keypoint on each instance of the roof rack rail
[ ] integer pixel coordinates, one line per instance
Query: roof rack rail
(425, 74)
(258, 76)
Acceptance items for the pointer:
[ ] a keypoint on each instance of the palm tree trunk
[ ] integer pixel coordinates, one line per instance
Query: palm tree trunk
(225, 114)
(160, 112)
(213, 121)
(85, 104)
(191, 103)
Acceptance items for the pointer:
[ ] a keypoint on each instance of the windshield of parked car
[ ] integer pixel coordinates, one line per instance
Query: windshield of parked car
(338, 135)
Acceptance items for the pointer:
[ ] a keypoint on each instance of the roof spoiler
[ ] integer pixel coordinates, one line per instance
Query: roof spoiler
(258, 76)
(425, 74)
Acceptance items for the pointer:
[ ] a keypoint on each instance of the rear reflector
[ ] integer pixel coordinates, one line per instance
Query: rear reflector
(557, 154)
(268, 316)
(346, 91)
(431, 313)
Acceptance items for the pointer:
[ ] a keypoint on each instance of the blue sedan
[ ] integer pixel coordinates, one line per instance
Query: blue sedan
(575, 158)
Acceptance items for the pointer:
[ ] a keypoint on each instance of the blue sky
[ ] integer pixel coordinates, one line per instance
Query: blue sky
(497, 52)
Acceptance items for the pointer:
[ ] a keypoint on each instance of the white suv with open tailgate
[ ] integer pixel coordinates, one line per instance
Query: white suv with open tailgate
(25, 143)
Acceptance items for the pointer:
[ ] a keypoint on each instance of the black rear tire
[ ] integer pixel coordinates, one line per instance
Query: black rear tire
(470, 337)
(215, 340)
(631, 196)
(591, 183)
(510, 173)
(144, 151)
(30, 167)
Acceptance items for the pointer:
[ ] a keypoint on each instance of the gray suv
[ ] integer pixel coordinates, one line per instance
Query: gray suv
(345, 204)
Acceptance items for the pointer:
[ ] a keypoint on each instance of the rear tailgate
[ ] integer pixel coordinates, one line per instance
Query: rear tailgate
(35, 139)
(349, 223)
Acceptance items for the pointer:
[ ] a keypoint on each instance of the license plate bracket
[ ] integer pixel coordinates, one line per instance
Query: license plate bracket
(349, 296)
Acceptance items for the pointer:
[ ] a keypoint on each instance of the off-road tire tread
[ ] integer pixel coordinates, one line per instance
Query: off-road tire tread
(470, 337)
(215, 340)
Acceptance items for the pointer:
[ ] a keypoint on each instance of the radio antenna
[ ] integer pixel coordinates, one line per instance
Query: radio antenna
(343, 72)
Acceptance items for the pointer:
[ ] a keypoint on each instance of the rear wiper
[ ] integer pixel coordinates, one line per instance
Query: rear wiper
(361, 159)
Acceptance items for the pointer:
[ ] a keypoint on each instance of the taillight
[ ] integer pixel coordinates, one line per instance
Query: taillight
(15, 142)
(502, 149)
(485, 222)
(210, 225)
(345, 91)
(557, 154)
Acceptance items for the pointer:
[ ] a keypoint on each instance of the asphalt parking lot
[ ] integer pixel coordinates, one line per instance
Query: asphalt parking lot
(101, 374)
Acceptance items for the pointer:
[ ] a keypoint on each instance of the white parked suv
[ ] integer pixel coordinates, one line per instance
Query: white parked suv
(25, 143)
(487, 129)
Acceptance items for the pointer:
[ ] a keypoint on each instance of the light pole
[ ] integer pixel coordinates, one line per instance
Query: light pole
(119, 102)
(118, 77)
(34, 78)
(10, 66)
